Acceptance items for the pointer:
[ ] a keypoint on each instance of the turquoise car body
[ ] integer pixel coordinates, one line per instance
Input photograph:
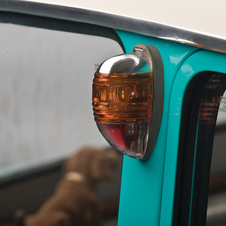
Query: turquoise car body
(147, 187)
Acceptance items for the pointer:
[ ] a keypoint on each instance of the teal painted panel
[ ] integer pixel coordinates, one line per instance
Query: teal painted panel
(141, 186)
(201, 61)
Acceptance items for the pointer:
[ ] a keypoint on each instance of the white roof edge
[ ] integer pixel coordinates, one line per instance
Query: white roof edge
(55, 9)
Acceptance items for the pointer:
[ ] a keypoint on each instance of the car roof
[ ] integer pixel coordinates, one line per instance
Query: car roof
(193, 22)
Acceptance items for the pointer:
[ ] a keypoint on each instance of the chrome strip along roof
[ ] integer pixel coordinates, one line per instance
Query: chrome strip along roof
(97, 17)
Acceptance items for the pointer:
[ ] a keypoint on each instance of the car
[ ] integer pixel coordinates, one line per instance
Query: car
(49, 53)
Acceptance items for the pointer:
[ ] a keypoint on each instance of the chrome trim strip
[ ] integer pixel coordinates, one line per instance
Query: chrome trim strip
(148, 28)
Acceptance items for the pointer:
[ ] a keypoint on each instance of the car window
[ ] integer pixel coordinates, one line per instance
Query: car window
(216, 211)
(45, 94)
(46, 115)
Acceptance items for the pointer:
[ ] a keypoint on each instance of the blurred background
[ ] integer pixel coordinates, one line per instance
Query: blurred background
(46, 112)
(46, 94)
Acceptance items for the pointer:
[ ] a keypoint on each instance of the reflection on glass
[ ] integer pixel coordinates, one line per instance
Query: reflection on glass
(216, 212)
(46, 114)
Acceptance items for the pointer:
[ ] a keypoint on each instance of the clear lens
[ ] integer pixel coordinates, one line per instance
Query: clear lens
(128, 138)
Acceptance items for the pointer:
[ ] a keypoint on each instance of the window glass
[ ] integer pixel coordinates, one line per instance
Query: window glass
(46, 116)
(216, 211)
(45, 94)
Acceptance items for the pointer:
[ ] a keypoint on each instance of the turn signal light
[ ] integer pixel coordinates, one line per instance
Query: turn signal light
(124, 100)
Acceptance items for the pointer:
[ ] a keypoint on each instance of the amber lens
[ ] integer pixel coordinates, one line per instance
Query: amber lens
(122, 105)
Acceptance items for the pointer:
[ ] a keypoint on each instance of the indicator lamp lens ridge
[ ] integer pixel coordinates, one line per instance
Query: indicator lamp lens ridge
(123, 92)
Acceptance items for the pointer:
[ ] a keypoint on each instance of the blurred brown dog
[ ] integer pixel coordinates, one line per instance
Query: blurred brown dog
(75, 201)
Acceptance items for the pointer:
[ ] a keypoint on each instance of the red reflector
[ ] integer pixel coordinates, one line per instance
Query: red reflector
(129, 139)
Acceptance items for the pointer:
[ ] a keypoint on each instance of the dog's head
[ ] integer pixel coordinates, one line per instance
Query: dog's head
(94, 164)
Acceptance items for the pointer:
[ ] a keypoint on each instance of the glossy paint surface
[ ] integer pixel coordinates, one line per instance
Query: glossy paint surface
(142, 181)
(198, 62)
(200, 16)
(187, 22)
